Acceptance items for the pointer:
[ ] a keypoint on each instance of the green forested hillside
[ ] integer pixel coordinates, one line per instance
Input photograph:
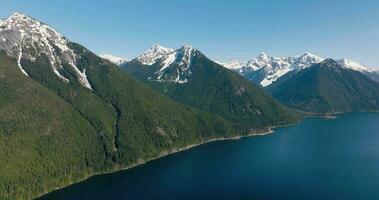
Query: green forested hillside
(66, 114)
(212, 88)
(53, 133)
(327, 88)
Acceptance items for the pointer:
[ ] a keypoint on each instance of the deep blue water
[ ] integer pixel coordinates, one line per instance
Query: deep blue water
(316, 159)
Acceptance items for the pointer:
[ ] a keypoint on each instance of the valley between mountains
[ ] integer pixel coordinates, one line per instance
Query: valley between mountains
(67, 114)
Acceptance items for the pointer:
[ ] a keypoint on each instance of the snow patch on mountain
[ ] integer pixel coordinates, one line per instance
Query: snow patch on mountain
(175, 65)
(233, 64)
(304, 61)
(272, 67)
(344, 62)
(155, 53)
(114, 59)
(23, 37)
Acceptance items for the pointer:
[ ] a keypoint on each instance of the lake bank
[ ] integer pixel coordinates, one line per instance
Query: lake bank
(140, 162)
(318, 158)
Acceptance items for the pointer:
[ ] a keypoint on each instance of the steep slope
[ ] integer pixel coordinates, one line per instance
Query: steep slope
(66, 114)
(189, 77)
(327, 88)
(44, 141)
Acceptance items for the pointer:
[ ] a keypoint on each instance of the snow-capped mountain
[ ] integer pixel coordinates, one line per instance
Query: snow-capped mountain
(155, 53)
(265, 69)
(114, 59)
(23, 37)
(356, 66)
(173, 65)
(233, 64)
(304, 61)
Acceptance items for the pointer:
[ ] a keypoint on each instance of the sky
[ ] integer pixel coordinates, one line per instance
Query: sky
(221, 29)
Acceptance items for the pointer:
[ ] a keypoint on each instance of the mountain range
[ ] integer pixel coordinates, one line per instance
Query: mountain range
(67, 114)
(186, 75)
(327, 87)
(265, 69)
(180, 75)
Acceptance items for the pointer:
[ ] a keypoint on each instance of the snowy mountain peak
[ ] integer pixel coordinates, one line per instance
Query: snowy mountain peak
(344, 62)
(305, 61)
(263, 57)
(308, 54)
(266, 69)
(232, 64)
(186, 52)
(159, 48)
(23, 37)
(154, 53)
(174, 64)
(187, 46)
(19, 16)
(114, 59)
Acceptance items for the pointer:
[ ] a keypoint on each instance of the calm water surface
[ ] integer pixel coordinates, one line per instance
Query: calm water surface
(317, 159)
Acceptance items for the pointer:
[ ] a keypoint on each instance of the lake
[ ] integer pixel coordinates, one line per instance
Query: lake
(316, 159)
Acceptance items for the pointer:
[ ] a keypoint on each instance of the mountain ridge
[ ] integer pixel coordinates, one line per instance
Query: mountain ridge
(193, 79)
(73, 114)
(327, 87)
(265, 70)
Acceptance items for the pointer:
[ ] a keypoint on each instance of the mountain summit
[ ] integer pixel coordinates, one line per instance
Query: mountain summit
(25, 38)
(114, 59)
(327, 87)
(66, 113)
(265, 70)
(186, 75)
(171, 65)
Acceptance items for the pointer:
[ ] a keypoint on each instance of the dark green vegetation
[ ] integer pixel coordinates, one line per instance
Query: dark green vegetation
(318, 159)
(327, 88)
(54, 133)
(212, 88)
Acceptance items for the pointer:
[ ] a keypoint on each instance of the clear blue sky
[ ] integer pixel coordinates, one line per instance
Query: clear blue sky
(222, 29)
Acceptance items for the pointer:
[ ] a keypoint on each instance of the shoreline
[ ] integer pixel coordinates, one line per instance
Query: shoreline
(139, 162)
(163, 154)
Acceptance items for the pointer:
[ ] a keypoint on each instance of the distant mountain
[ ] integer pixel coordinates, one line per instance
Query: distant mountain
(264, 69)
(373, 74)
(66, 114)
(186, 75)
(327, 87)
(114, 59)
